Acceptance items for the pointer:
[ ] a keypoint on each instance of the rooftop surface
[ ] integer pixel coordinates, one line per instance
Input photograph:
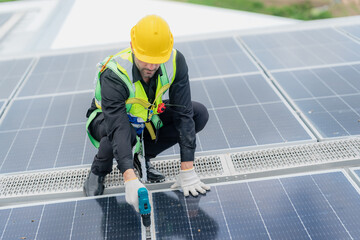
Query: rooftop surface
(281, 149)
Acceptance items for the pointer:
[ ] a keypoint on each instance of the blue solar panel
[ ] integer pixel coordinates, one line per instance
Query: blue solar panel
(64, 73)
(4, 216)
(22, 223)
(12, 72)
(53, 215)
(244, 111)
(323, 120)
(318, 206)
(49, 133)
(214, 57)
(328, 97)
(102, 218)
(45, 148)
(302, 48)
(55, 124)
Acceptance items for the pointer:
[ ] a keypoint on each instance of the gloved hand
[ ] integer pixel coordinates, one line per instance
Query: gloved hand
(131, 192)
(189, 181)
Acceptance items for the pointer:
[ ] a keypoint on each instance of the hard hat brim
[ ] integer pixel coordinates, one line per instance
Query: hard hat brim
(151, 59)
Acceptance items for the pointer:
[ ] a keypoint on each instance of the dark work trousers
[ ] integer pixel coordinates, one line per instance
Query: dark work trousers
(167, 137)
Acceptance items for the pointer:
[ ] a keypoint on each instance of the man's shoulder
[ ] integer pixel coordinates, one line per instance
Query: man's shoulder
(179, 54)
(180, 58)
(110, 78)
(110, 75)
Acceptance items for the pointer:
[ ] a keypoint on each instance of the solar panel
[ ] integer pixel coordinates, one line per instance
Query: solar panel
(353, 30)
(49, 133)
(328, 97)
(302, 48)
(244, 111)
(244, 108)
(47, 111)
(64, 73)
(214, 57)
(312, 206)
(101, 218)
(12, 72)
(4, 216)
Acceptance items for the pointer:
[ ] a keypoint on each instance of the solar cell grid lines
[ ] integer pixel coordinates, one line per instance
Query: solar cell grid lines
(12, 72)
(64, 73)
(58, 91)
(300, 207)
(328, 97)
(303, 48)
(53, 137)
(215, 57)
(102, 218)
(244, 111)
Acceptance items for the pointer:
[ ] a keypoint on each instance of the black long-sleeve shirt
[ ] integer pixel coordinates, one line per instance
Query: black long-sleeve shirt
(114, 93)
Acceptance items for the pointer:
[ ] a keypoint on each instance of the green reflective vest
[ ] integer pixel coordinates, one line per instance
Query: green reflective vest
(137, 105)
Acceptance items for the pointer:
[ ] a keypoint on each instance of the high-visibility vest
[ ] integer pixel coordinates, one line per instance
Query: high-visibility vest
(140, 111)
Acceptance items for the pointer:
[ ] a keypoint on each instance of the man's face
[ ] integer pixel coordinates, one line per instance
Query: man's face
(147, 70)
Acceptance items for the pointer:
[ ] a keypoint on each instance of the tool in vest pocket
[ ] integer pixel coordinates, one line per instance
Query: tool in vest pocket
(144, 206)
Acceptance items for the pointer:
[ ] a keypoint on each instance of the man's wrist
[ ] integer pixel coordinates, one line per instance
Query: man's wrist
(187, 165)
(129, 174)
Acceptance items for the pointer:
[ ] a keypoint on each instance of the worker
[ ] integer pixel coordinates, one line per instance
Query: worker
(128, 109)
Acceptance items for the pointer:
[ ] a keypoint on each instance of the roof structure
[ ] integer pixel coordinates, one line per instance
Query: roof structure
(281, 149)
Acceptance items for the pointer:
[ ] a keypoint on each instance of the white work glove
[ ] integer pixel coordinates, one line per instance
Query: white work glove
(189, 181)
(131, 192)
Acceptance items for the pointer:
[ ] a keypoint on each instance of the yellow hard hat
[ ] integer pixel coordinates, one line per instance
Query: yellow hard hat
(152, 40)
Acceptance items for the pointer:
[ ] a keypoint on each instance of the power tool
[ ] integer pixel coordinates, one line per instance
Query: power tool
(144, 206)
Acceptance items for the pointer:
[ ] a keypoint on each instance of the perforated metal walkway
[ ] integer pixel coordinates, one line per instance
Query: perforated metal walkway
(67, 183)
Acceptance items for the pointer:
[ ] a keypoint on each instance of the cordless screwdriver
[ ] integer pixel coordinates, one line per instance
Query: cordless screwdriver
(144, 206)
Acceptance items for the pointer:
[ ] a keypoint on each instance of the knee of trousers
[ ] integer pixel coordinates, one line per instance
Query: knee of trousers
(201, 116)
(105, 150)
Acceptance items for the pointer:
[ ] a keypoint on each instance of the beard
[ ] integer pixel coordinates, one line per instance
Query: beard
(146, 73)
